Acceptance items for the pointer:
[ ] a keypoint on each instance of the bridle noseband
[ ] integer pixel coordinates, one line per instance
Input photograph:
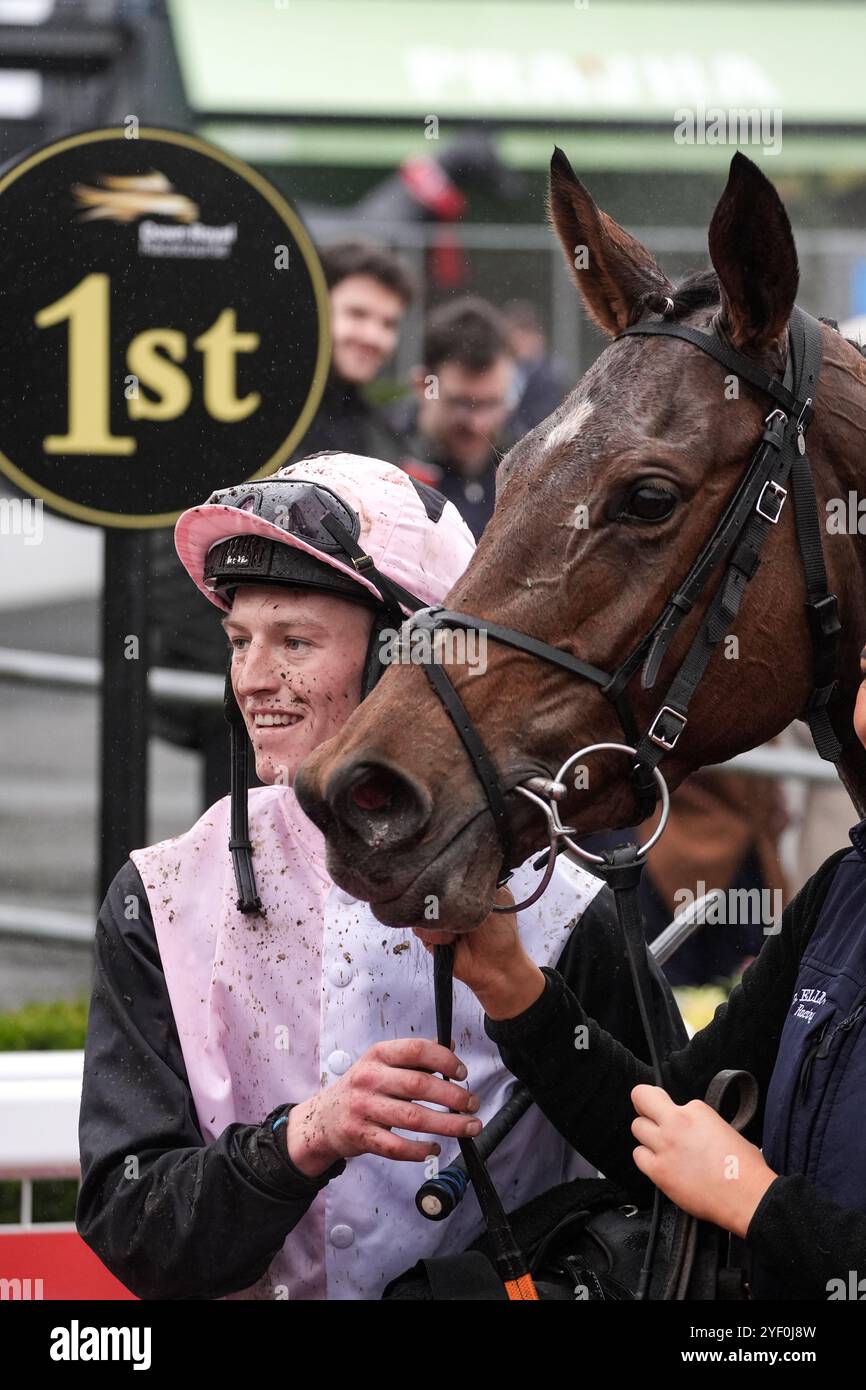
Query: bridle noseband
(778, 465)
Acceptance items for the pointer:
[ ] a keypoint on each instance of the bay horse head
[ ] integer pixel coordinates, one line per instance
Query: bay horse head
(600, 513)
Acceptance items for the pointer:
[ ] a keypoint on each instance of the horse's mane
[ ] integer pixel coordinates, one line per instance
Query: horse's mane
(700, 290)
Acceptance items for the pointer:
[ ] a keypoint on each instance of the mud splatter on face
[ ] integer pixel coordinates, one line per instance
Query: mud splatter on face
(297, 664)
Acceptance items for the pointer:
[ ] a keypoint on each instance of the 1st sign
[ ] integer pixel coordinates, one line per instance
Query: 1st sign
(165, 325)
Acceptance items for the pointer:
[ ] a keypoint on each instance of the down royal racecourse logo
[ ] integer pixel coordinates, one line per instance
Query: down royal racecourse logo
(143, 197)
(125, 198)
(165, 325)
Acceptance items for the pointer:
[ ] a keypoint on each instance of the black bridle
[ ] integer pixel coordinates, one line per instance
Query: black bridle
(736, 542)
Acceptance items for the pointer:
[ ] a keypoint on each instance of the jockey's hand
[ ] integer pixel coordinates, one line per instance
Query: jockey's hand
(698, 1160)
(379, 1093)
(491, 960)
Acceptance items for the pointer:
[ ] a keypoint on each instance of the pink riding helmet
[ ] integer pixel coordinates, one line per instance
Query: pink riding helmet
(340, 522)
(413, 536)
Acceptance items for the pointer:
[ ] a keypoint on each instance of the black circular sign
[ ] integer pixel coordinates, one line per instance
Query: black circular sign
(165, 325)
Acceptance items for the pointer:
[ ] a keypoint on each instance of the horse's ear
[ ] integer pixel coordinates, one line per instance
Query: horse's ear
(753, 252)
(611, 270)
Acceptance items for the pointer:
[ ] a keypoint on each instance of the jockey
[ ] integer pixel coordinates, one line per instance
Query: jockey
(257, 1041)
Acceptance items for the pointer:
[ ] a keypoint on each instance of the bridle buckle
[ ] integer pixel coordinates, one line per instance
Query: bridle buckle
(775, 502)
(659, 739)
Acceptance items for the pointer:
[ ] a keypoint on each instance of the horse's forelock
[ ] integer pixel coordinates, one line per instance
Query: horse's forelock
(700, 290)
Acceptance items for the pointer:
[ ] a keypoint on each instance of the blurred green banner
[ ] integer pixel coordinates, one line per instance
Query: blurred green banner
(527, 61)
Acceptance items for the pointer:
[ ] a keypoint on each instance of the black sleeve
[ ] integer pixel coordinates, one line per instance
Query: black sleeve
(807, 1239)
(582, 1080)
(170, 1216)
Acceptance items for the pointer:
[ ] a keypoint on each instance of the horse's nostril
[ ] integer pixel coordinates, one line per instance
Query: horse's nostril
(373, 793)
(380, 805)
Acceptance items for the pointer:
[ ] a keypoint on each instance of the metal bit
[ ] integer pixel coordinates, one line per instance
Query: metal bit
(546, 786)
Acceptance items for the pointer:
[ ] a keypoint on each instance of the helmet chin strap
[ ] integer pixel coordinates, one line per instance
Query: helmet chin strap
(239, 838)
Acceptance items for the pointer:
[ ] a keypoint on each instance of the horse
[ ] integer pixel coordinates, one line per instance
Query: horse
(646, 449)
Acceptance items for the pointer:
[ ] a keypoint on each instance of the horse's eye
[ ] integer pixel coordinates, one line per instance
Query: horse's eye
(648, 503)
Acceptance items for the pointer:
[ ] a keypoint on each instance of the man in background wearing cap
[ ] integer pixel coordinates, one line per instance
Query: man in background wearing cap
(258, 1072)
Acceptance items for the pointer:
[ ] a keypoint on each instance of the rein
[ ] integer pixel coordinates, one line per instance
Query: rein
(621, 868)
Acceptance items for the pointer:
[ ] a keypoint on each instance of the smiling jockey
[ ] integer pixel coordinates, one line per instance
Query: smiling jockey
(257, 1040)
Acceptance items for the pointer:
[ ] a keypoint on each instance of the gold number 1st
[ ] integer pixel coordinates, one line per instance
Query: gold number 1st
(86, 308)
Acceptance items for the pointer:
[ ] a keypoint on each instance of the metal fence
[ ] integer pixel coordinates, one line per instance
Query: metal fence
(33, 1085)
(526, 262)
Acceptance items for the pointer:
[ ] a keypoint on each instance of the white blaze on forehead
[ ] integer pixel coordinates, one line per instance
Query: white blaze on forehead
(570, 426)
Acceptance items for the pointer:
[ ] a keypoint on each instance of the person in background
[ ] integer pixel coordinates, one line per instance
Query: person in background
(541, 380)
(723, 832)
(369, 291)
(463, 392)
